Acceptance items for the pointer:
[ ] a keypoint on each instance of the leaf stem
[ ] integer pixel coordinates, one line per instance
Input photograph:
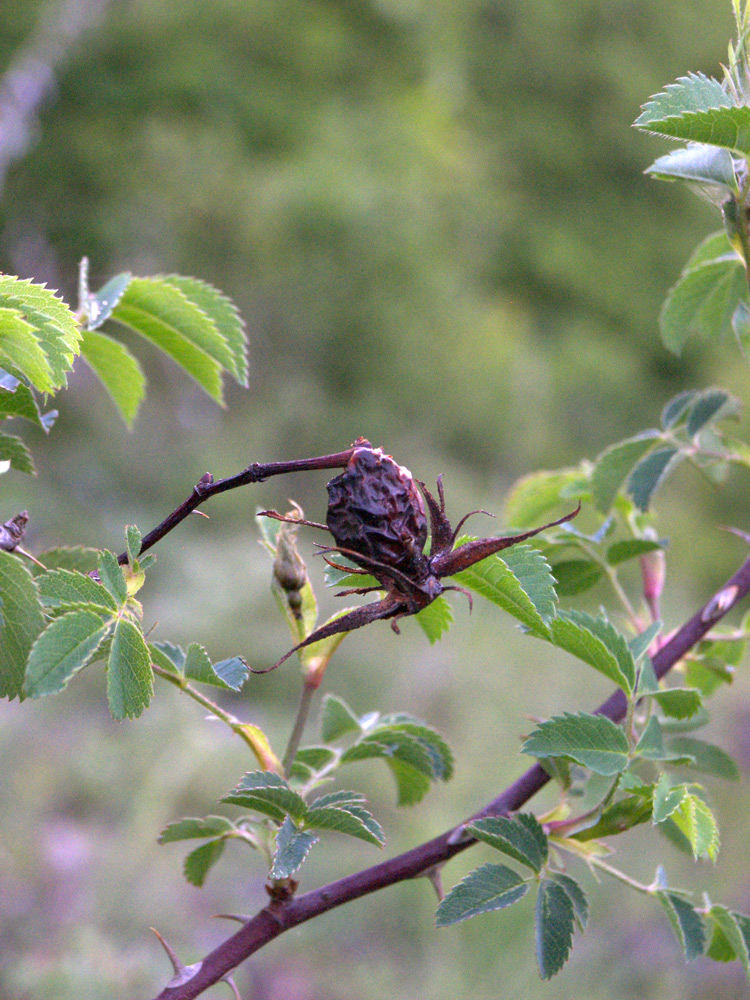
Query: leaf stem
(303, 711)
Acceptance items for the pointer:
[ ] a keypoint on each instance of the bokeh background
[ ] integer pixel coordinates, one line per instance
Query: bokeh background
(432, 216)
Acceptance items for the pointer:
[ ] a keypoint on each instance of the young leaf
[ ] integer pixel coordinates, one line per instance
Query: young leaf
(491, 887)
(200, 861)
(64, 648)
(54, 324)
(161, 313)
(695, 820)
(555, 919)
(22, 622)
(267, 793)
(232, 673)
(650, 473)
(667, 798)
(612, 467)
(99, 306)
(520, 837)
(19, 346)
(337, 719)
(680, 703)
(591, 740)
(703, 301)
(709, 169)
(729, 937)
(348, 818)
(630, 548)
(292, 847)
(130, 680)
(189, 828)
(630, 811)
(112, 576)
(597, 643)
(534, 496)
(117, 370)
(686, 923)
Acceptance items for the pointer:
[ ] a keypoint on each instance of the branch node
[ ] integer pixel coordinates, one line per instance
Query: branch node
(239, 917)
(459, 836)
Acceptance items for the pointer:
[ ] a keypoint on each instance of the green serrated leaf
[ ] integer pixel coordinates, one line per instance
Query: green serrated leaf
(667, 798)
(14, 451)
(232, 672)
(520, 837)
(491, 887)
(225, 316)
(679, 703)
(576, 895)
(22, 622)
(20, 402)
(130, 680)
(117, 370)
(686, 922)
(555, 920)
(64, 648)
(695, 820)
(60, 587)
(711, 406)
(292, 847)
(200, 861)
(168, 656)
(707, 757)
(111, 575)
(133, 542)
(54, 324)
(435, 619)
(19, 346)
(630, 811)
(612, 467)
(591, 740)
(267, 793)
(411, 784)
(639, 646)
(190, 828)
(704, 300)
(337, 719)
(162, 314)
(520, 583)
(677, 409)
(348, 818)
(650, 473)
(651, 744)
(574, 576)
(597, 643)
(728, 942)
(309, 761)
(77, 557)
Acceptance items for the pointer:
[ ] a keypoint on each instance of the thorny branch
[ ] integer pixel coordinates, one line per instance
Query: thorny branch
(278, 917)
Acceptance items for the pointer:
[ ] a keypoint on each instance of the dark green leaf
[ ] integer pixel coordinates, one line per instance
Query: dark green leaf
(412, 784)
(22, 622)
(649, 474)
(630, 548)
(111, 575)
(591, 740)
(576, 895)
(200, 861)
(597, 643)
(708, 758)
(686, 923)
(337, 719)
(711, 406)
(491, 887)
(292, 847)
(574, 576)
(64, 648)
(703, 301)
(520, 837)
(677, 409)
(613, 466)
(630, 811)
(651, 744)
(130, 680)
(20, 402)
(267, 793)
(117, 370)
(348, 818)
(188, 828)
(728, 942)
(13, 450)
(555, 920)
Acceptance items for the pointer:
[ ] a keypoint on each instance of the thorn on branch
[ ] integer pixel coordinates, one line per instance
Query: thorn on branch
(182, 973)
(434, 876)
(719, 604)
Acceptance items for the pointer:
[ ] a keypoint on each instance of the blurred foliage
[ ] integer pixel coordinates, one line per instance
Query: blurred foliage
(433, 219)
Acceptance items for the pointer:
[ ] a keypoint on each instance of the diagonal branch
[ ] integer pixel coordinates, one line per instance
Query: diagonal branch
(278, 917)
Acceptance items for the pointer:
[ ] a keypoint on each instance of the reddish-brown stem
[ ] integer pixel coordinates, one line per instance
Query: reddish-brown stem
(206, 488)
(276, 918)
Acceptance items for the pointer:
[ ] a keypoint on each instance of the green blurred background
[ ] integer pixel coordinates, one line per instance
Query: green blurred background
(433, 218)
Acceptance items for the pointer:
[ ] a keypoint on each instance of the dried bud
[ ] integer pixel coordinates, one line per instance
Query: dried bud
(289, 569)
(376, 510)
(13, 530)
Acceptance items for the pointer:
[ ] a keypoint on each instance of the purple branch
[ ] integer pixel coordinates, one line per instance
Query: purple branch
(276, 918)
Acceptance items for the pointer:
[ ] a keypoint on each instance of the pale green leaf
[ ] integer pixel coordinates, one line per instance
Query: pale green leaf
(729, 938)
(190, 827)
(99, 306)
(62, 649)
(435, 619)
(703, 301)
(695, 820)
(612, 467)
(535, 496)
(20, 402)
(200, 861)
(54, 323)
(130, 680)
(117, 370)
(111, 575)
(20, 347)
(491, 887)
(679, 703)
(133, 542)
(337, 719)
(709, 169)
